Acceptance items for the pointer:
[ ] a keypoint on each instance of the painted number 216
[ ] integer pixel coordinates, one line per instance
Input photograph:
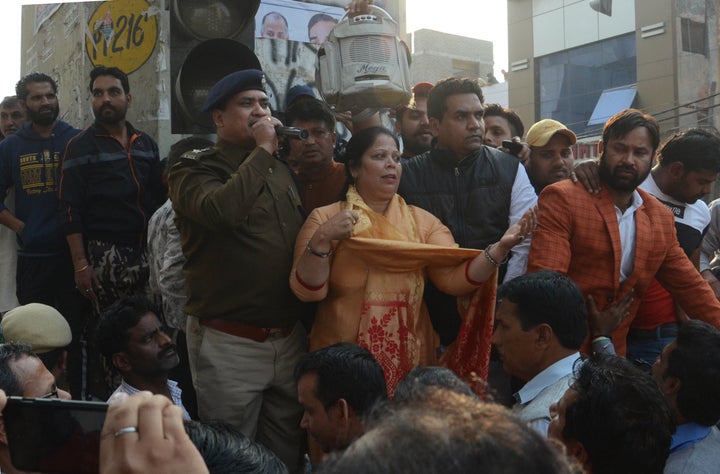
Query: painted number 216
(128, 33)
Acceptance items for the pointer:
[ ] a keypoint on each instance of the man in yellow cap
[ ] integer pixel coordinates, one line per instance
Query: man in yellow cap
(551, 156)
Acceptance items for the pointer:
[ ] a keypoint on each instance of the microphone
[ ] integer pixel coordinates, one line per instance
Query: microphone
(292, 132)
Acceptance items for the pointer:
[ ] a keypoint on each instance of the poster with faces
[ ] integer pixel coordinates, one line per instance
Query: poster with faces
(296, 20)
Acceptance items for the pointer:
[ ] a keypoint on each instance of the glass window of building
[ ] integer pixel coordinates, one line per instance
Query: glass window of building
(569, 83)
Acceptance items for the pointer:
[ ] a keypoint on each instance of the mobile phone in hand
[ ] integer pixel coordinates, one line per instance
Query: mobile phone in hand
(513, 147)
(54, 435)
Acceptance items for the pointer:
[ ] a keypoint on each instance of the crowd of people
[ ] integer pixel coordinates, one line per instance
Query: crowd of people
(453, 294)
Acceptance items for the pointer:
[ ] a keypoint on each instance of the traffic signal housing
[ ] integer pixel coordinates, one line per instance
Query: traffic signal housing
(208, 40)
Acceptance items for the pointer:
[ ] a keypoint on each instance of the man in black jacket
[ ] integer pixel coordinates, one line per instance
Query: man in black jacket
(111, 184)
(475, 190)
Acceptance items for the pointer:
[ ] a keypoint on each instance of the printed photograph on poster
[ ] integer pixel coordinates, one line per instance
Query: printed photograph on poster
(296, 21)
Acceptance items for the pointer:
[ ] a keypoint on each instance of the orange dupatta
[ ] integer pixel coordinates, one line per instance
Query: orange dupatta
(394, 324)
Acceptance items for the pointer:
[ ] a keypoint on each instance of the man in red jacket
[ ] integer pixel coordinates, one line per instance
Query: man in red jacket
(613, 243)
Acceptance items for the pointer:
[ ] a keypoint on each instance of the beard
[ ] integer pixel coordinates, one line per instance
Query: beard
(110, 115)
(614, 180)
(44, 116)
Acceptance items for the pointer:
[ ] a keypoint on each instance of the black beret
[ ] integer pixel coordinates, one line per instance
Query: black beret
(298, 91)
(249, 79)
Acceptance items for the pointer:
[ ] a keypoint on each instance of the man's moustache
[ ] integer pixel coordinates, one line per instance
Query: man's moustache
(164, 352)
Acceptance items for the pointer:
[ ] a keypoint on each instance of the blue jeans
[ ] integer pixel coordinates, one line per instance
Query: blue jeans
(647, 350)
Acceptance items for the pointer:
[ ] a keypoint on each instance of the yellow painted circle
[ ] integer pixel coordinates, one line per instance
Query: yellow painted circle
(121, 34)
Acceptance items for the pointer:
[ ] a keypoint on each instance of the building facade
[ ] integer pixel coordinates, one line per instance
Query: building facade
(576, 65)
(436, 55)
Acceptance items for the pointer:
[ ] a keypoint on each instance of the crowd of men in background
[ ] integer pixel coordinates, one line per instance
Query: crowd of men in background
(119, 274)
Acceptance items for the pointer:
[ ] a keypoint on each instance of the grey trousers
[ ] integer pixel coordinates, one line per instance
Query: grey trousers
(250, 385)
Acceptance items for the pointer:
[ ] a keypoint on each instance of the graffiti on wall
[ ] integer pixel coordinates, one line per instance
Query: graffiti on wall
(122, 34)
(286, 64)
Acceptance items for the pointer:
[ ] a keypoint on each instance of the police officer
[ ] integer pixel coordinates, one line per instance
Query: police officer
(238, 212)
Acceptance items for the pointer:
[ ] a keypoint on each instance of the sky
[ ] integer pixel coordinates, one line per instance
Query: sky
(482, 19)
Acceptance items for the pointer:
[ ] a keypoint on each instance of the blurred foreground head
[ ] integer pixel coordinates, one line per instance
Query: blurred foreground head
(447, 433)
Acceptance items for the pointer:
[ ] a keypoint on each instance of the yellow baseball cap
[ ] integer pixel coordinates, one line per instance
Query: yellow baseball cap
(541, 132)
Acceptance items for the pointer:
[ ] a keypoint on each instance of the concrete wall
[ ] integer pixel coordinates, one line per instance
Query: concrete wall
(521, 73)
(437, 55)
(697, 73)
(656, 67)
(59, 49)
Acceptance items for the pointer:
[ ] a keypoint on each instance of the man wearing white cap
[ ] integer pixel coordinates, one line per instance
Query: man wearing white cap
(551, 156)
(44, 329)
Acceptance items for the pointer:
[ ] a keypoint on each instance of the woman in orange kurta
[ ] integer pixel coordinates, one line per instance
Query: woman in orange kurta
(366, 259)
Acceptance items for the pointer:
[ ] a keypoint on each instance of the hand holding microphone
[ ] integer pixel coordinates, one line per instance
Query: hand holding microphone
(292, 132)
(263, 131)
(266, 133)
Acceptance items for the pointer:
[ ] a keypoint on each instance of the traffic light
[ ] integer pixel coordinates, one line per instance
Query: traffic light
(602, 6)
(208, 40)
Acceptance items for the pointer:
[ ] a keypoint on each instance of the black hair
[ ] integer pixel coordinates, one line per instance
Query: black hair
(51, 358)
(226, 450)
(628, 120)
(420, 381)
(12, 352)
(552, 298)
(697, 149)
(110, 71)
(21, 90)
(9, 102)
(437, 99)
(516, 126)
(447, 433)
(359, 144)
(310, 110)
(695, 361)
(619, 416)
(400, 111)
(346, 371)
(116, 322)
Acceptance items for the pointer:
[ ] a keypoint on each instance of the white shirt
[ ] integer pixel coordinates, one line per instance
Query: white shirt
(626, 224)
(711, 241)
(552, 374)
(522, 198)
(175, 393)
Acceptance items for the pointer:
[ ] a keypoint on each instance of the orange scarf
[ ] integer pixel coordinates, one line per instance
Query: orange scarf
(394, 324)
